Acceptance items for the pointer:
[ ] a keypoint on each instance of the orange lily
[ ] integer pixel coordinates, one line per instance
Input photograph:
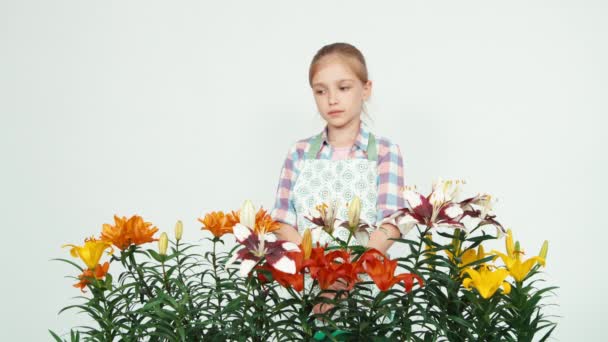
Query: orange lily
(219, 223)
(126, 232)
(98, 272)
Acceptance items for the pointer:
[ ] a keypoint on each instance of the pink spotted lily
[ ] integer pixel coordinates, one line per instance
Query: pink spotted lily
(442, 208)
(263, 245)
(437, 209)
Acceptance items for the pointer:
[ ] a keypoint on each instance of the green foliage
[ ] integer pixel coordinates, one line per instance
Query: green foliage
(188, 295)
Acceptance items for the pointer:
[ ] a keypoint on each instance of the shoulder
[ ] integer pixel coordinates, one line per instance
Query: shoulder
(387, 149)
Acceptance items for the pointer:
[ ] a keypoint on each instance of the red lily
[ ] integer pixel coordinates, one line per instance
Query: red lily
(328, 268)
(382, 271)
(296, 280)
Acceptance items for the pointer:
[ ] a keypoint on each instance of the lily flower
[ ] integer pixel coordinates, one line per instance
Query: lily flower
(382, 271)
(91, 251)
(295, 281)
(357, 227)
(518, 268)
(126, 232)
(434, 210)
(326, 217)
(469, 256)
(98, 272)
(261, 246)
(487, 282)
(259, 221)
(218, 223)
(329, 268)
(478, 208)
(334, 271)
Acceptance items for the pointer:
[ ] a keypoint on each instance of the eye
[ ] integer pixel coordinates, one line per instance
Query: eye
(344, 87)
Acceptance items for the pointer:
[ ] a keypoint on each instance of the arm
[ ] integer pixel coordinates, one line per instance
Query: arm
(289, 233)
(379, 239)
(390, 197)
(284, 211)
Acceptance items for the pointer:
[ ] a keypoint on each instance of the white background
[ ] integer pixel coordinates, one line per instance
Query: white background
(172, 109)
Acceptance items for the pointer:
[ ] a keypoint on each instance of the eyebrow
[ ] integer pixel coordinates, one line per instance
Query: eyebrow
(338, 81)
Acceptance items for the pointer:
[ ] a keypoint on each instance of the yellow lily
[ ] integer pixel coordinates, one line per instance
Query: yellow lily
(91, 251)
(469, 256)
(487, 282)
(517, 267)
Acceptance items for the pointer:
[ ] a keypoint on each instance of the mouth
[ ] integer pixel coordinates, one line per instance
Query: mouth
(335, 112)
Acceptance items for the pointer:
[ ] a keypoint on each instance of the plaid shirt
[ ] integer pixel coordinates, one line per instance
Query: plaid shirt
(390, 174)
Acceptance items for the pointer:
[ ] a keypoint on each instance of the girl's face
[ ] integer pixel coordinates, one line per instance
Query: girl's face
(338, 92)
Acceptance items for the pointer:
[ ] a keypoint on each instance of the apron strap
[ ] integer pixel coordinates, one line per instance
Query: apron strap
(315, 146)
(372, 151)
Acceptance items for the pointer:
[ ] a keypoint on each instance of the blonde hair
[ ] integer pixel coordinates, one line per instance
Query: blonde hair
(347, 54)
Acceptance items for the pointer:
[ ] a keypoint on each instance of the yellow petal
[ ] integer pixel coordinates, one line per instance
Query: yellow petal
(506, 287)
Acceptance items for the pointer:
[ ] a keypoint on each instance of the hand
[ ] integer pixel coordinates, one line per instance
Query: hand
(323, 307)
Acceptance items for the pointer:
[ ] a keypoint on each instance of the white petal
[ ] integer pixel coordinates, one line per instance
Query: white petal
(413, 198)
(241, 232)
(362, 236)
(246, 267)
(285, 264)
(270, 237)
(453, 211)
(290, 246)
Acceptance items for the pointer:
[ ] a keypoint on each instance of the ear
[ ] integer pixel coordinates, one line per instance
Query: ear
(367, 90)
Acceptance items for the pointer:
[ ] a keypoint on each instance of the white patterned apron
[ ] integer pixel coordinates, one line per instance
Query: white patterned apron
(322, 180)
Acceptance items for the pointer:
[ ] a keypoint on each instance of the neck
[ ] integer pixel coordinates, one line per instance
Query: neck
(343, 136)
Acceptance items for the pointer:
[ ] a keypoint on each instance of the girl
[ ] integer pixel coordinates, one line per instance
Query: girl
(342, 161)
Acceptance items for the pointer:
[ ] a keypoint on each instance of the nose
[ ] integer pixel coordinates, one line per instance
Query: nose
(332, 98)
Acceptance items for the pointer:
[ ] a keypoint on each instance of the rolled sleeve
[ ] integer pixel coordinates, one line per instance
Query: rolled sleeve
(284, 210)
(390, 181)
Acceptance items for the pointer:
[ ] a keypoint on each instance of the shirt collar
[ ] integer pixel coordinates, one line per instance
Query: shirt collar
(362, 137)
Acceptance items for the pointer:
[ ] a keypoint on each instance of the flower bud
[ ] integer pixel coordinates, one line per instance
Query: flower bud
(247, 214)
(509, 243)
(480, 252)
(179, 230)
(354, 212)
(306, 243)
(544, 249)
(163, 243)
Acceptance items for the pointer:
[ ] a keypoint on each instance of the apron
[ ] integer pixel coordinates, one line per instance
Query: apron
(323, 181)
